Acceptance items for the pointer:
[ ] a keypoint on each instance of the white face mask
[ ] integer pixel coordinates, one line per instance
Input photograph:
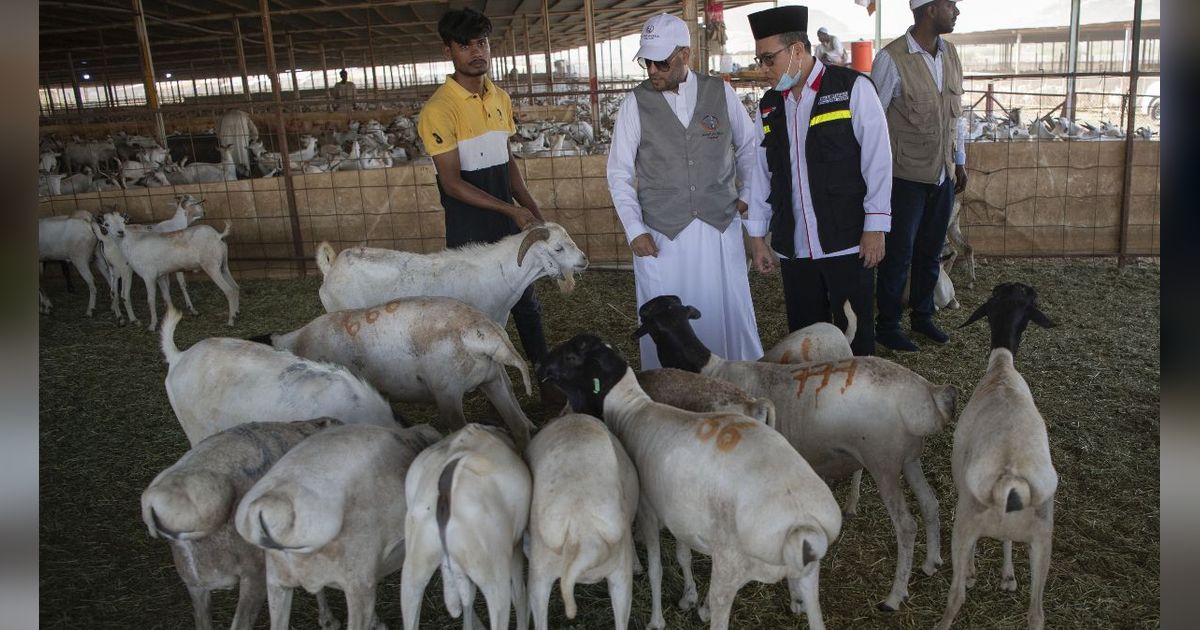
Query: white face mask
(788, 81)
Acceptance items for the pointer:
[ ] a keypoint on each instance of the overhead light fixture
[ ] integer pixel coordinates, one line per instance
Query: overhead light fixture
(86, 76)
(168, 75)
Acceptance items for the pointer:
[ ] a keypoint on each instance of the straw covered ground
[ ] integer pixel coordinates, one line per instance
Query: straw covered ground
(106, 428)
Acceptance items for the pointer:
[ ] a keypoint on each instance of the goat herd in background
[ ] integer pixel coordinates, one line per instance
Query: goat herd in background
(304, 478)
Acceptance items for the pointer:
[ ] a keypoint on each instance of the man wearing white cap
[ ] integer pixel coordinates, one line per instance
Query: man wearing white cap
(688, 143)
(919, 78)
(830, 51)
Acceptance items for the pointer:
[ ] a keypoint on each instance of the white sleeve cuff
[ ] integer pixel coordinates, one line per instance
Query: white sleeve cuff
(756, 227)
(877, 223)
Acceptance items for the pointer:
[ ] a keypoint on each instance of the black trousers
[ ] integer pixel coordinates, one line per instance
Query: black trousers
(815, 290)
(527, 312)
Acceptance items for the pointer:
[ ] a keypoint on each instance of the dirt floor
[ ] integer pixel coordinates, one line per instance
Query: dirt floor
(106, 429)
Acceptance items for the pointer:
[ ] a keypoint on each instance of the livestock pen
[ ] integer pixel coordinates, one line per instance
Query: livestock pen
(106, 429)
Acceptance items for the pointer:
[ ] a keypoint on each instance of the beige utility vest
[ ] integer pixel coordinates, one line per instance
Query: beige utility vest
(922, 122)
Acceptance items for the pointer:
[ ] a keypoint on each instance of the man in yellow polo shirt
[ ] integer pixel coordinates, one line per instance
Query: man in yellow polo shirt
(465, 127)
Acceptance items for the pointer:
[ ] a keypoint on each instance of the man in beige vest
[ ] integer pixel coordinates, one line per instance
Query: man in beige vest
(919, 78)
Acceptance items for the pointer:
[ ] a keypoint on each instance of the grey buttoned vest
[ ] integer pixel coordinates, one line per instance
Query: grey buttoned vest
(685, 173)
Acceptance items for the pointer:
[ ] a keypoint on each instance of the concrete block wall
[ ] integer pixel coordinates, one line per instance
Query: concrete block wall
(1023, 198)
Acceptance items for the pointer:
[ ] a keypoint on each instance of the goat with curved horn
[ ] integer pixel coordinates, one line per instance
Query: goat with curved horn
(533, 235)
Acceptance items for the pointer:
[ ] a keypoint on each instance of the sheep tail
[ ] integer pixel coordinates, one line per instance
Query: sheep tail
(167, 335)
(576, 558)
(1012, 492)
(228, 226)
(325, 257)
(804, 544)
(851, 322)
(506, 354)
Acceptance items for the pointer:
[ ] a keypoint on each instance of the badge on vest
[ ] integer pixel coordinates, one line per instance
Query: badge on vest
(836, 97)
(711, 125)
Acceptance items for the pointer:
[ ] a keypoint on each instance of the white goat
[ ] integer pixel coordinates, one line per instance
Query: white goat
(723, 484)
(220, 382)
(191, 505)
(48, 161)
(271, 162)
(1001, 460)
(585, 496)
(489, 277)
(842, 416)
(187, 210)
(70, 238)
(821, 341)
(427, 349)
(204, 173)
(468, 506)
(331, 513)
(154, 256)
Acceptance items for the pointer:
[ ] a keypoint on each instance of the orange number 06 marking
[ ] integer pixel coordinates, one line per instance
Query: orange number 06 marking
(727, 436)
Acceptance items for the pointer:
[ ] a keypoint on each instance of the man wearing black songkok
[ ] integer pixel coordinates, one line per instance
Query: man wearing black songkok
(822, 185)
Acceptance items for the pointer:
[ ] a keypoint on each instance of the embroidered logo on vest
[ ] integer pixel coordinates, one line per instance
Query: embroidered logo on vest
(836, 97)
(710, 123)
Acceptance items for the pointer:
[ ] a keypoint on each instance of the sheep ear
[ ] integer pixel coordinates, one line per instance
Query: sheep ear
(693, 313)
(641, 330)
(1038, 317)
(979, 312)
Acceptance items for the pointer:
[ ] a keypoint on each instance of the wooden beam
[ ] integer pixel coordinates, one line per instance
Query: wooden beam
(139, 25)
(528, 58)
(546, 32)
(241, 55)
(589, 20)
(281, 129)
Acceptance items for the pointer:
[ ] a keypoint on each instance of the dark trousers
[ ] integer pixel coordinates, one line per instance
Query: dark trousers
(920, 215)
(527, 312)
(815, 291)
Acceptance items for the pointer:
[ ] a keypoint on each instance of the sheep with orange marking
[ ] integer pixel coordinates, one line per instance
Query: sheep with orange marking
(862, 412)
(420, 349)
(821, 341)
(490, 277)
(723, 484)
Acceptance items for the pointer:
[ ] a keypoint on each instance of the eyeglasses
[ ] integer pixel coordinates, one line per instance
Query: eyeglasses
(768, 59)
(662, 66)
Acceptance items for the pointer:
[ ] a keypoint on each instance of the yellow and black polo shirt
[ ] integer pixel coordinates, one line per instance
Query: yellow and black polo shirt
(478, 127)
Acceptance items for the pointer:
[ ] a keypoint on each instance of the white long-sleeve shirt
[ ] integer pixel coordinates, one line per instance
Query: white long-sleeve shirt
(870, 129)
(627, 135)
(887, 82)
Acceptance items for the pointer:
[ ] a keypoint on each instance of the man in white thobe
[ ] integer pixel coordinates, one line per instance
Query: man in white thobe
(683, 137)
(830, 50)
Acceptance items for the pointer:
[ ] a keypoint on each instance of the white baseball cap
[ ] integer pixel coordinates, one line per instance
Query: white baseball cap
(912, 4)
(822, 31)
(661, 35)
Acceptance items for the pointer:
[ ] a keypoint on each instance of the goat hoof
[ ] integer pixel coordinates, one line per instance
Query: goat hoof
(930, 568)
(797, 607)
(884, 606)
(688, 601)
(702, 612)
(1008, 583)
(850, 514)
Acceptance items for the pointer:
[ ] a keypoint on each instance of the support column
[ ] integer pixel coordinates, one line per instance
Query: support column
(292, 63)
(241, 55)
(528, 58)
(371, 54)
(109, 96)
(1130, 120)
(690, 15)
(878, 26)
(139, 25)
(324, 69)
(75, 82)
(281, 129)
(546, 33)
(1072, 60)
(589, 15)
